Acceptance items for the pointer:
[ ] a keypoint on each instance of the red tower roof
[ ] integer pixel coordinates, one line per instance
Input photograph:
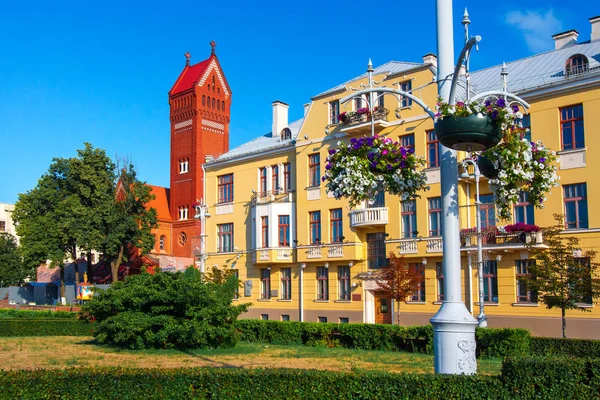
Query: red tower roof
(190, 75)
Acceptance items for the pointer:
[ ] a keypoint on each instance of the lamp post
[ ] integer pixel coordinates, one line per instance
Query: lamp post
(202, 214)
(481, 318)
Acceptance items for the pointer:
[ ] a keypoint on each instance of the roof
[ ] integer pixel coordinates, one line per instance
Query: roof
(189, 76)
(262, 143)
(389, 68)
(535, 71)
(160, 202)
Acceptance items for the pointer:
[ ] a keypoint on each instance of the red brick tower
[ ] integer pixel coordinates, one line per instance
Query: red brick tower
(200, 102)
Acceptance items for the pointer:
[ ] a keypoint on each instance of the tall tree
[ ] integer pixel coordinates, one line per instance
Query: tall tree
(397, 280)
(12, 268)
(562, 275)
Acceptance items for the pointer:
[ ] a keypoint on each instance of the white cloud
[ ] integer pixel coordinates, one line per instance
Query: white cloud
(537, 28)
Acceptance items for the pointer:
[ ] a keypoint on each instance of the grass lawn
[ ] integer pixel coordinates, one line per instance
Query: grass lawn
(70, 351)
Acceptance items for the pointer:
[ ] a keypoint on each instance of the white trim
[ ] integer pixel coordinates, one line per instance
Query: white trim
(211, 66)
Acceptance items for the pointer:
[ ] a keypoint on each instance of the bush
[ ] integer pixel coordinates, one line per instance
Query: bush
(12, 313)
(166, 310)
(565, 347)
(502, 342)
(44, 327)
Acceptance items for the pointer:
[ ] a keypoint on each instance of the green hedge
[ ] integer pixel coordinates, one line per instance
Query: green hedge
(44, 327)
(30, 314)
(552, 377)
(490, 342)
(565, 347)
(242, 384)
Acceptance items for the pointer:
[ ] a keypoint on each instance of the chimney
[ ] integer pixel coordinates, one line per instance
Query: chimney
(280, 117)
(430, 59)
(565, 39)
(306, 107)
(595, 22)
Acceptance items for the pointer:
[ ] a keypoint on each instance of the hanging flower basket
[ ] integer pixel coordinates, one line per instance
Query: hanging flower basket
(487, 168)
(522, 166)
(357, 171)
(474, 126)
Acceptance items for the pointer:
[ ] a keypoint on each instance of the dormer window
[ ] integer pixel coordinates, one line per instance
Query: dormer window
(577, 64)
(286, 134)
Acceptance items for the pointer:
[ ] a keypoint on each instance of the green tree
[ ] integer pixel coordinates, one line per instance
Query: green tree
(12, 268)
(397, 280)
(166, 310)
(562, 276)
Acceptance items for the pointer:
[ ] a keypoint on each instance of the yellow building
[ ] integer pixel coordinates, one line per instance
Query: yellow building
(303, 255)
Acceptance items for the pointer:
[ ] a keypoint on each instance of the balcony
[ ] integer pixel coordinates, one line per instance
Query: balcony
(369, 217)
(272, 196)
(491, 239)
(333, 251)
(273, 255)
(356, 122)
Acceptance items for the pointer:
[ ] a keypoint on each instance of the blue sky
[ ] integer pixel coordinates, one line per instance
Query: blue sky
(99, 72)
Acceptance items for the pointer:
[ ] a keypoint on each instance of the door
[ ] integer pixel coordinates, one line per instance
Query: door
(383, 309)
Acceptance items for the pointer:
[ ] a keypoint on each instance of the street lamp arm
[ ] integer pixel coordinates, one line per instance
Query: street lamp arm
(502, 93)
(392, 91)
(461, 58)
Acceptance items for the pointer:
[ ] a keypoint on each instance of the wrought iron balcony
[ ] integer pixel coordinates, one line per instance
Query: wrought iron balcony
(359, 121)
(368, 217)
(491, 238)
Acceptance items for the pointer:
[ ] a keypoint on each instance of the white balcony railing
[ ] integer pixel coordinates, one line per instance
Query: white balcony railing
(264, 255)
(284, 254)
(434, 244)
(313, 252)
(335, 251)
(369, 217)
(409, 246)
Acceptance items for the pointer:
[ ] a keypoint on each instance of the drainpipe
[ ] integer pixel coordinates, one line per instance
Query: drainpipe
(301, 294)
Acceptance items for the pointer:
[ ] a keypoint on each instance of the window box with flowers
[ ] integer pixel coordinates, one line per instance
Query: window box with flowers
(363, 115)
(521, 232)
(358, 170)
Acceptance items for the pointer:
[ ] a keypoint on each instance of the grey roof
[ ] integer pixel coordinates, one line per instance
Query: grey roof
(389, 68)
(262, 143)
(535, 71)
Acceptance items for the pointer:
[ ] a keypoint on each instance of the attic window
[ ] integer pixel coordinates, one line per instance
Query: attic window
(577, 64)
(286, 134)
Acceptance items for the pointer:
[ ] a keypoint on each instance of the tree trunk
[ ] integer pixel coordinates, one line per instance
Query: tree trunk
(398, 312)
(90, 267)
(62, 283)
(115, 264)
(564, 323)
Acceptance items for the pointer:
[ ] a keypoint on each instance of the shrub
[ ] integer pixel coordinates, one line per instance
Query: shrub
(44, 327)
(565, 347)
(12, 313)
(502, 342)
(166, 310)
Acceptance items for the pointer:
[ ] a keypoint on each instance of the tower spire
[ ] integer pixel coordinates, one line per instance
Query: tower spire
(187, 58)
(212, 45)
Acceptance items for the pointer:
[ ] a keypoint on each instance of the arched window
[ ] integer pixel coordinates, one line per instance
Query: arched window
(286, 133)
(213, 104)
(218, 90)
(577, 64)
(162, 242)
(208, 101)
(208, 87)
(218, 105)
(203, 100)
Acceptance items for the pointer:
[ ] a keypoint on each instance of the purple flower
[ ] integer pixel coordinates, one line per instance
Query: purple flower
(389, 167)
(328, 166)
(370, 156)
(542, 160)
(384, 152)
(332, 151)
(515, 108)
(494, 114)
(323, 179)
(402, 164)
(374, 164)
(411, 150)
(487, 103)
(501, 103)
(403, 152)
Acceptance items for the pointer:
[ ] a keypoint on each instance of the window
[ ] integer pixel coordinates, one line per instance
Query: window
(315, 227)
(314, 170)
(208, 101)
(376, 250)
(322, 283)
(344, 320)
(409, 219)
(226, 188)
(287, 177)
(236, 294)
(334, 111)
(581, 283)
(524, 209)
(182, 238)
(526, 122)
(379, 199)
(203, 100)
(184, 166)
(213, 103)
(577, 64)
(380, 101)
(265, 283)
(419, 292)
(183, 212)
(571, 127)
(161, 245)
(265, 231)
(264, 317)
(286, 283)
(2, 226)
(433, 150)
(284, 230)
(286, 134)
(358, 103)
(344, 282)
(521, 270)
(406, 87)
(576, 210)
(323, 320)
(490, 281)
(407, 141)
(335, 217)
(487, 211)
(263, 181)
(275, 178)
(285, 317)
(435, 216)
(225, 238)
(439, 277)
(218, 105)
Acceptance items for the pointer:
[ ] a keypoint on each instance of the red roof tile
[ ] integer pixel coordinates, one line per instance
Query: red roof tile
(189, 76)
(160, 203)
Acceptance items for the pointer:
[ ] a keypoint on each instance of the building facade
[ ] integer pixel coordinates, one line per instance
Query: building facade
(303, 255)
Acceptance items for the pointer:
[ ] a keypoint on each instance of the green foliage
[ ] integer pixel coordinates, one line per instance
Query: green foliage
(502, 342)
(12, 269)
(552, 378)
(565, 347)
(165, 310)
(31, 314)
(44, 327)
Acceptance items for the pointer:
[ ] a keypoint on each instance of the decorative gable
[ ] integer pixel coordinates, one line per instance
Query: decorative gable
(214, 66)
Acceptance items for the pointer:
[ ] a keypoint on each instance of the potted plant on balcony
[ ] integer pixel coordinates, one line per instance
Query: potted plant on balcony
(474, 126)
(522, 165)
(528, 233)
(359, 169)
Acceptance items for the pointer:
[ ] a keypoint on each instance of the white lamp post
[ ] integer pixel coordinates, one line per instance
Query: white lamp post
(202, 214)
